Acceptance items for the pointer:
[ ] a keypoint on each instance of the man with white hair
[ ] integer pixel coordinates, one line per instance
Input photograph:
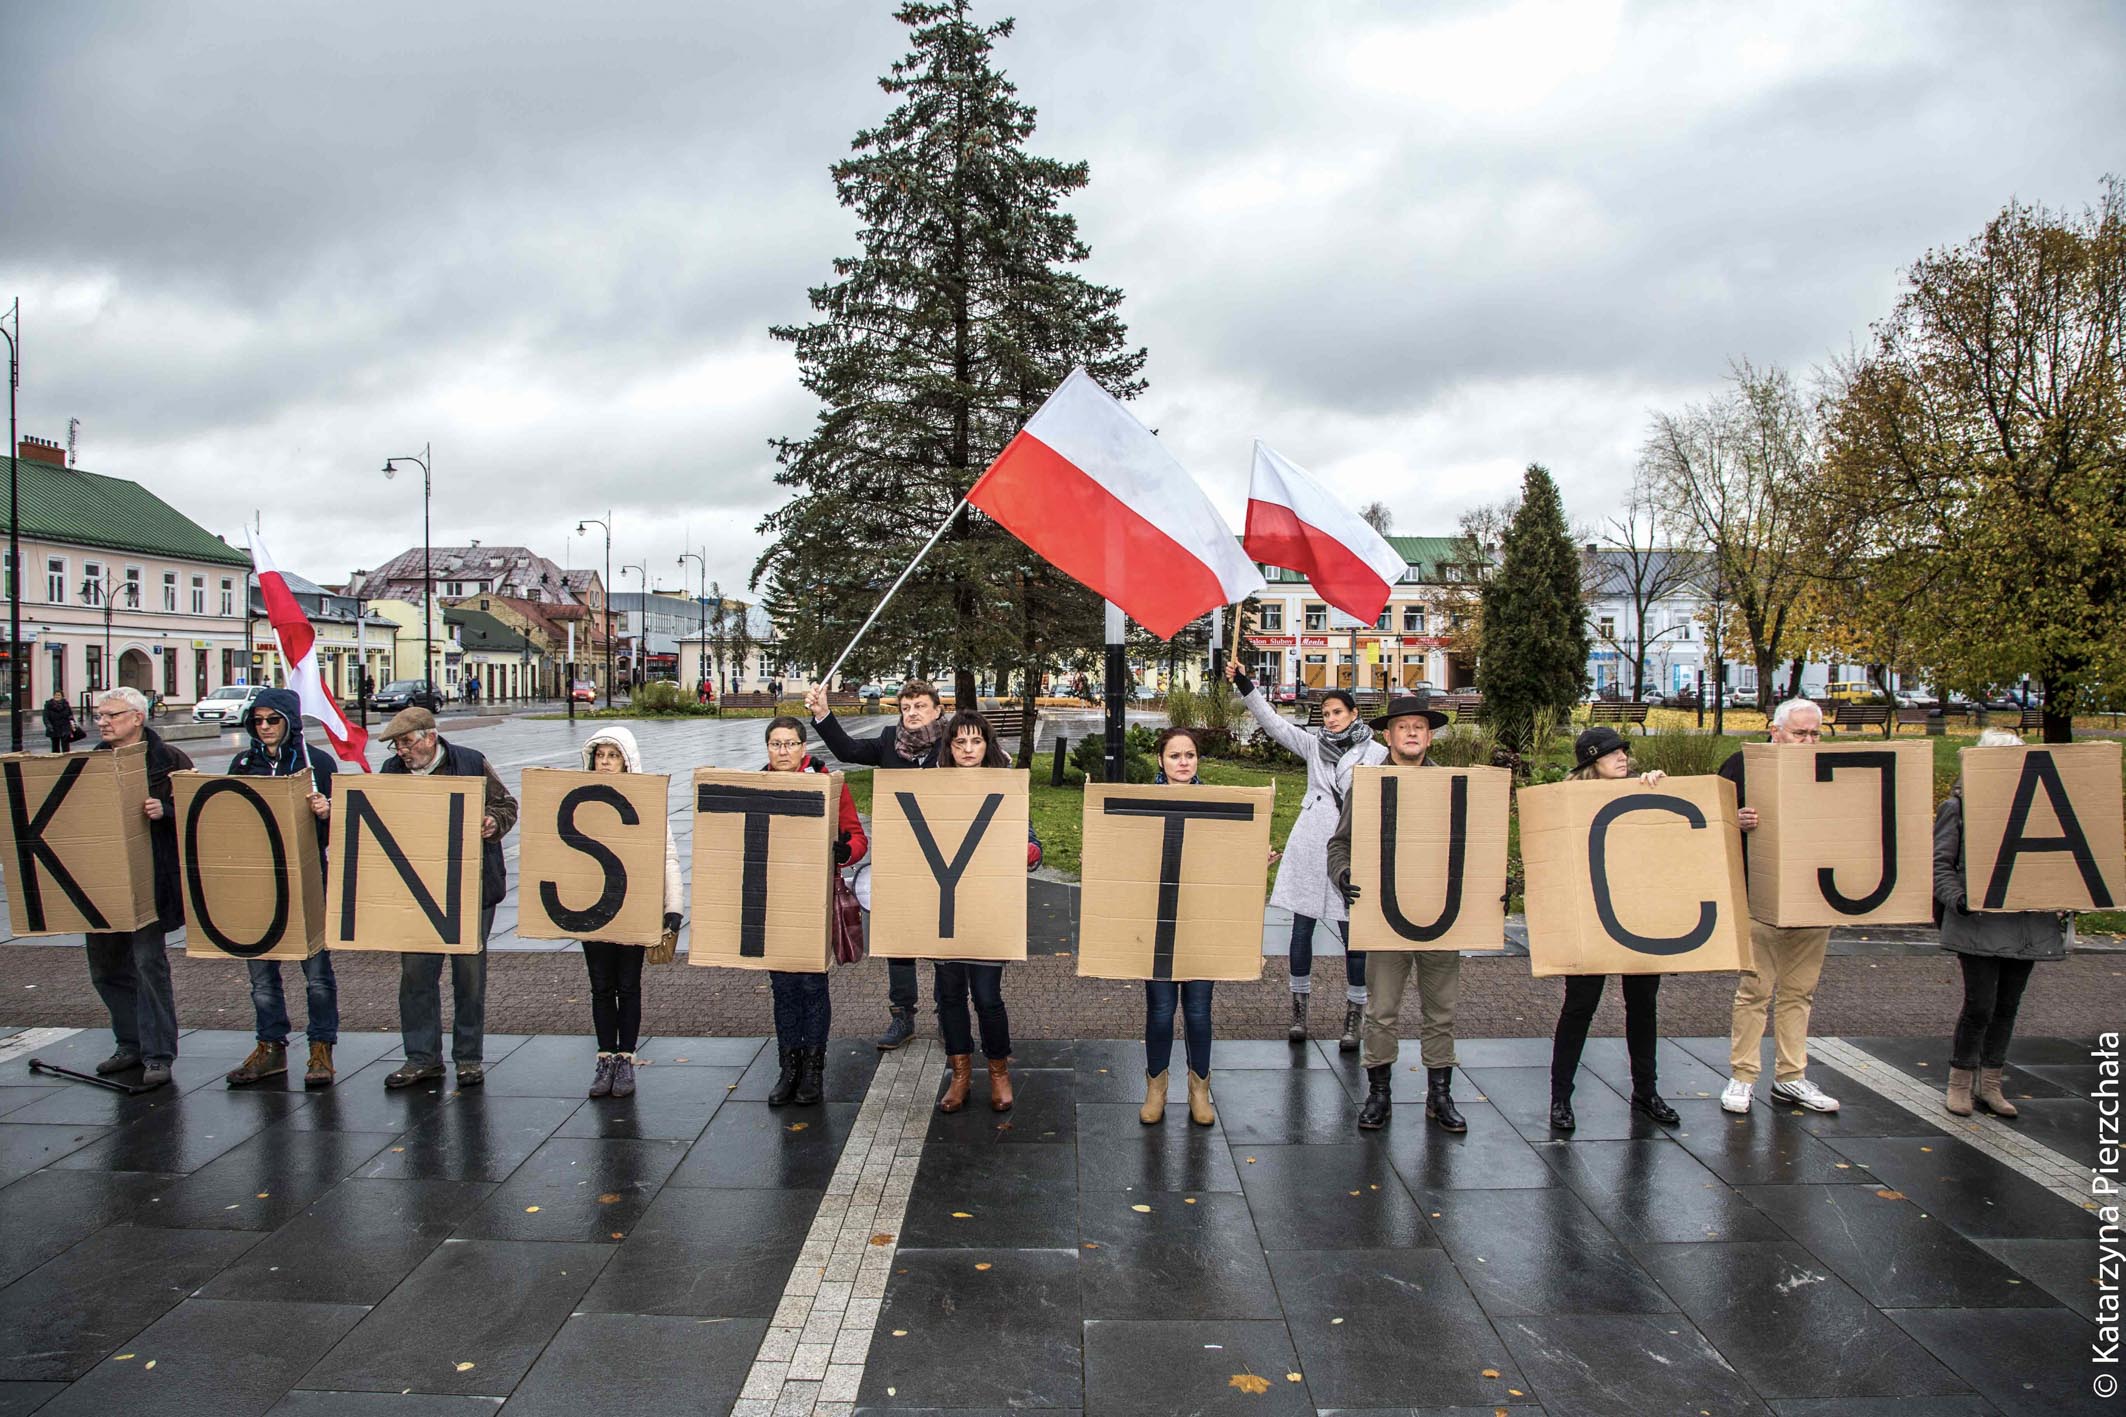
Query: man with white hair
(1783, 967)
(131, 968)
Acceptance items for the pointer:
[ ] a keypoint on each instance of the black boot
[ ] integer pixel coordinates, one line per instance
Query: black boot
(809, 1067)
(1439, 1100)
(899, 1029)
(1656, 1107)
(1561, 1118)
(785, 1088)
(1373, 1112)
(1297, 1032)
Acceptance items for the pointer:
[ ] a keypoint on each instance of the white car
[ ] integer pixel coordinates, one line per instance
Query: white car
(226, 705)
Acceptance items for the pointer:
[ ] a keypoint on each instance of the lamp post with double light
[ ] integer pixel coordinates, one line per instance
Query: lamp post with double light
(428, 572)
(607, 607)
(14, 536)
(637, 671)
(701, 666)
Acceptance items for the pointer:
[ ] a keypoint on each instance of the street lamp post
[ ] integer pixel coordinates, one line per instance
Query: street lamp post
(702, 665)
(428, 570)
(607, 608)
(14, 537)
(636, 672)
(96, 592)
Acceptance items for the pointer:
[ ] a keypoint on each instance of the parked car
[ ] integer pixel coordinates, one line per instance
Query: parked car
(872, 690)
(583, 691)
(405, 693)
(1282, 693)
(1742, 698)
(226, 705)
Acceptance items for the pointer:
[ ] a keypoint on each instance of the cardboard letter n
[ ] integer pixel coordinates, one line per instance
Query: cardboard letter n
(2043, 828)
(1845, 833)
(405, 863)
(1428, 854)
(1174, 877)
(764, 868)
(948, 864)
(590, 856)
(247, 856)
(1629, 879)
(74, 842)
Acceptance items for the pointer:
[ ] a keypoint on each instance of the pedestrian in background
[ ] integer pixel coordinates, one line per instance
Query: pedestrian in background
(59, 725)
(803, 1011)
(616, 969)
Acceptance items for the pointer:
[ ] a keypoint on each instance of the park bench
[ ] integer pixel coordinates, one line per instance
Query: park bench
(1860, 716)
(1913, 717)
(843, 699)
(1605, 711)
(1009, 721)
(749, 699)
(1468, 708)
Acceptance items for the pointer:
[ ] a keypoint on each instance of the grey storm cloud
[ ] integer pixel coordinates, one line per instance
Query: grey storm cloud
(261, 247)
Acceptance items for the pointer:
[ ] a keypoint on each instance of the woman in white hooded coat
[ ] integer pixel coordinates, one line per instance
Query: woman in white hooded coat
(616, 969)
(1303, 885)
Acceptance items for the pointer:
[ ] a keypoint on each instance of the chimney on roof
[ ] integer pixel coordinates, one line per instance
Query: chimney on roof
(41, 450)
(1592, 548)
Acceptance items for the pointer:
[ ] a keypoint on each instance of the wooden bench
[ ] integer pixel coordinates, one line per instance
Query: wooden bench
(749, 699)
(1861, 716)
(1913, 717)
(1008, 721)
(1611, 711)
(843, 699)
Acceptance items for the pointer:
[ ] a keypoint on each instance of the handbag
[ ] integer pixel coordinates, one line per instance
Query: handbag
(664, 950)
(75, 733)
(848, 923)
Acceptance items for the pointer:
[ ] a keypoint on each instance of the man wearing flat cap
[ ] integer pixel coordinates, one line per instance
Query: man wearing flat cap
(1406, 730)
(418, 748)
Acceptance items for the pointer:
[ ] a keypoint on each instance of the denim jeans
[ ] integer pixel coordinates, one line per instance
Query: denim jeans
(802, 1008)
(321, 998)
(421, 1003)
(955, 980)
(1160, 996)
(616, 993)
(131, 971)
(1302, 961)
(1993, 992)
(900, 983)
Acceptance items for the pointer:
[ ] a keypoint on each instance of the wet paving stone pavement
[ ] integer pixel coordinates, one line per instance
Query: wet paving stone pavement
(524, 1249)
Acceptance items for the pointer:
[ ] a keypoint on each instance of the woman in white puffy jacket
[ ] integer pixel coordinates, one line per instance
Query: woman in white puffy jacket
(616, 969)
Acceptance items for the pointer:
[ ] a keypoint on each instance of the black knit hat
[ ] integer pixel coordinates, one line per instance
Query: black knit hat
(1595, 743)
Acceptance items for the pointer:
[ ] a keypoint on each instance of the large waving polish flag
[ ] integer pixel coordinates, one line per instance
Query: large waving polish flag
(298, 642)
(1294, 523)
(1099, 496)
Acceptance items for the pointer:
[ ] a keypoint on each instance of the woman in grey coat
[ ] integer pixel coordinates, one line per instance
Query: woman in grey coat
(1303, 880)
(1995, 949)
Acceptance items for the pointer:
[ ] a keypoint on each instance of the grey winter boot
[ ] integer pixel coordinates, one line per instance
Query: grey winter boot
(1297, 1033)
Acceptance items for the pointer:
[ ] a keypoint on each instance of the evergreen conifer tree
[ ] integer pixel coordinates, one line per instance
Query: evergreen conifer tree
(1532, 636)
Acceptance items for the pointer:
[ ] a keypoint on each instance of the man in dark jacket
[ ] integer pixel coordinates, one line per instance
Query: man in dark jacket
(420, 749)
(917, 742)
(278, 749)
(131, 969)
(1406, 728)
(59, 722)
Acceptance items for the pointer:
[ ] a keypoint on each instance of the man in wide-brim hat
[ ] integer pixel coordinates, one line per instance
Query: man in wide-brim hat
(1406, 729)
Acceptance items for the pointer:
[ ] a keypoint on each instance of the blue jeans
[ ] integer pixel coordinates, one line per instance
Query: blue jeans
(803, 1009)
(900, 984)
(131, 972)
(421, 1003)
(1303, 959)
(1160, 996)
(321, 995)
(955, 980)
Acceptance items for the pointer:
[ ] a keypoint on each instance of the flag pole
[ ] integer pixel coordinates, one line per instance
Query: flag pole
(869, 620)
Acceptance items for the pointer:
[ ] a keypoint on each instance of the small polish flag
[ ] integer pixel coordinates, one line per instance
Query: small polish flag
(1099, 496)
(1294, 523)
(298, 643)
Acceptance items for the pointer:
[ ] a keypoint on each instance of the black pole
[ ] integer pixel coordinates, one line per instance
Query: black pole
(572, 691)
(1117, 674)
(14, 543)
(607, 606)
(428, 592)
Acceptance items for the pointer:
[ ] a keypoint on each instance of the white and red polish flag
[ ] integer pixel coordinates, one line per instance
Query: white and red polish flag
(298, 642)
(1098, 495)
(1294, 523)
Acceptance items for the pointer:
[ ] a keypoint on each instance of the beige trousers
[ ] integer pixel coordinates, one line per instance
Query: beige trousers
(1439, 982)
(1782, 971)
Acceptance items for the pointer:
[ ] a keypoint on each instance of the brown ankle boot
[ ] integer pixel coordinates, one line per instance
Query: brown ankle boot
(1959, 1099)
(1154, 1109)
(1200, 1110)
(1000, 1084)
(266, 1060)
(962, 1079)
(1989, 1093)
(319, 1072)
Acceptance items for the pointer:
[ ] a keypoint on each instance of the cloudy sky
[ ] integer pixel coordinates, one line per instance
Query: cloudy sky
(261, 247)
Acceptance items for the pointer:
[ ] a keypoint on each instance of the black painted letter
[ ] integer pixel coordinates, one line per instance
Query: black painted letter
(756, 805)
(1177, 814)
(2039, 768)
(1886, 764)
(31, 848)
(613, 894)
(948, 875)
(196, 889)
(447, 919)
(1598, 872)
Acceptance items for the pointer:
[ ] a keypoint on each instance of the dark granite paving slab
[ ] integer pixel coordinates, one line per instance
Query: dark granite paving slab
(1151, 1368)
(558, 1066)
(1251, 1054)
(2023, 1361)
(13, 1098)
(1540, 1251)
(1982, 1199)
(1345, 1197)
(473, 1138)
(1179, 1257)
(639, 1365)
(2050, 1080)
(1110, 1071)
(675, 1105)
(61, 1319)
(576, 1188)
(987, 1197)
(707, 1253)
(1891, 1251)
(1353, 1316)
(1509, 1052)
(265, 1182)
(21, 1399)
(1596, 1365)
(1677, 1073)
(472, 1318)
(209, 1358)
(1117, 1152)
(1522, 1097)
(32, 1146)
(383, 1404)
(1760, 1148)
(1790, 1326)
(850, 1064)
(1044, 1109)
(352, 1245)
(359, 1102)
(2068, 1125)
(44, 1213)
(1491, 1155)
(1969, 1405)
(2064, 1269)
(1862, 1112)
(1654, 1191)
(1020, 1316)
(1284, 1106)
(750, 1144)
(689, 1051)
(185, 1134)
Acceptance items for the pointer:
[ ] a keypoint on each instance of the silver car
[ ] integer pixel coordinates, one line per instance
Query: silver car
(226, 705)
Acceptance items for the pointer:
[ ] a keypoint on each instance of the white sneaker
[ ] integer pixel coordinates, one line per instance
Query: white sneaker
(1737, 1096)
(1803, 1093)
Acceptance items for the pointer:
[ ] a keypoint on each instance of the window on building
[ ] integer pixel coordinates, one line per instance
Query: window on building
(228, 596)
(1683, 627)
(7, 563)
(1272, 618)
(55, 579)
(228, 666)
(92, 583)
(1606, 627)
(93, 657)
(169, 673)
(132, 599)
(199, 595)
(169, 590)
(1317, 617)
(1386, 620)
(1413, 619)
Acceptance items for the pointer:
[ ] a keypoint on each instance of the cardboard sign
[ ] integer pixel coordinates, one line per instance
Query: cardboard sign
(1845, 834)
(74, 841)
(1428, 854)
(248, 861)
(2043, 828)
(590, 856)
(1629, 879)
(405, 863)
(764, 868)
(1174, 879)
(948, 864)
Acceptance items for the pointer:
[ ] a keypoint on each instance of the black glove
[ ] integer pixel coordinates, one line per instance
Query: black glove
(841, 850)
(671, 921)
(1349, 888)
(1244, 684)
(1963, 905)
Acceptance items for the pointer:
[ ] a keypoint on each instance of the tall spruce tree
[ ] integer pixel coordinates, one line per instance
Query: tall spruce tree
(1532, 637)
(934, 346)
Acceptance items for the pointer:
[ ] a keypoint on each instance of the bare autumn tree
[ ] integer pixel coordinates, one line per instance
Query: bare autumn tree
(1632, 562)
(1377, 516)
(1475, 560)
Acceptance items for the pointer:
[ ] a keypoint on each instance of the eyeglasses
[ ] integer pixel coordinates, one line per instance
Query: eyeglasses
(113, 717)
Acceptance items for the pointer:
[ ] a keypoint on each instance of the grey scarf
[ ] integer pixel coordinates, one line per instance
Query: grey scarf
(1336, 745)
